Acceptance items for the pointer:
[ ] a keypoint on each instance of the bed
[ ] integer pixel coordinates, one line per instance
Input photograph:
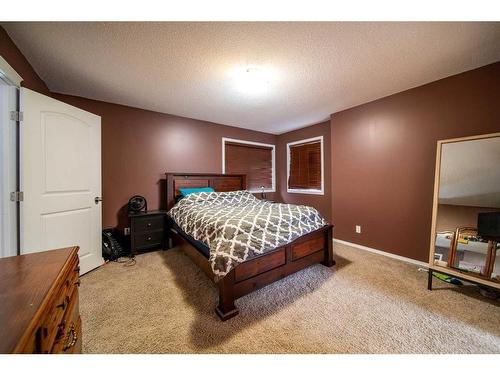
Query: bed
(244, 276)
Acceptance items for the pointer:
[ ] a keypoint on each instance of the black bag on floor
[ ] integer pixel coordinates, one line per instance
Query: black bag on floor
(111, 247)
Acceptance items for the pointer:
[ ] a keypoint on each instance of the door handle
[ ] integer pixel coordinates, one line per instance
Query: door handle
(97, 200)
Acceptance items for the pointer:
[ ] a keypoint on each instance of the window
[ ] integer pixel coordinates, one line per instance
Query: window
(255, 160)
(305, 169)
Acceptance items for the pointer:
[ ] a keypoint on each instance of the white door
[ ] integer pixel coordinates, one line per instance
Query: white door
(60, 162)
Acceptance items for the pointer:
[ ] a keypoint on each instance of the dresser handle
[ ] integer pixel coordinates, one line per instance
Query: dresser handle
(149, 238)
(149, 224)
(77, 283)
(71, 338)
(60, 329)
(62, 305)
(77, 269)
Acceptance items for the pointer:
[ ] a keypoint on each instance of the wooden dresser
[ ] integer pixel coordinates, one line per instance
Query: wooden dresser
(39, 310)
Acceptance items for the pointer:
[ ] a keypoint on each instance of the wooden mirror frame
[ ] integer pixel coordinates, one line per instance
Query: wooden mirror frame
(437, 174)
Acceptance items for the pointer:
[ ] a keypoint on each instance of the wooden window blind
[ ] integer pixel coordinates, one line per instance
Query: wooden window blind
(255, 161)
(305, 166)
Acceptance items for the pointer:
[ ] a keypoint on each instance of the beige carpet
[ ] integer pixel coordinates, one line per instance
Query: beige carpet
(367, 303)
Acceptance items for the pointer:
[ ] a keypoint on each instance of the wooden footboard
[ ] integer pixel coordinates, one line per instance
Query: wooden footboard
(312, 248)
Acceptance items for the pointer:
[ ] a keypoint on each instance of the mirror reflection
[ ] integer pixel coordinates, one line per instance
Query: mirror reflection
(468, 211)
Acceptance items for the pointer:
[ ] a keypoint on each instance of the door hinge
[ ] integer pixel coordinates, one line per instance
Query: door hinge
(16, 116)
(16, 196)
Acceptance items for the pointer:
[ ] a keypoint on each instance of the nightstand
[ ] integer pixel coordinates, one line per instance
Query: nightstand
(147, 231)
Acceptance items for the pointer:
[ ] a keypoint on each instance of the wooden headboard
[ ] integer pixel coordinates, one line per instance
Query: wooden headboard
(219, 182)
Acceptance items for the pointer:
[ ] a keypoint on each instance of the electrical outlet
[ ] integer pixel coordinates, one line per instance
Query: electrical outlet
(126, 231)
(358, 228)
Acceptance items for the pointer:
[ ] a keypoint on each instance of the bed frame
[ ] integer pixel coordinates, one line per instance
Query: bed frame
(309, 249)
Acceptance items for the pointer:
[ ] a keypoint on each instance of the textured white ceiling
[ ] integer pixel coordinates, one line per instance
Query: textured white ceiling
(470, 173)
(183, 68)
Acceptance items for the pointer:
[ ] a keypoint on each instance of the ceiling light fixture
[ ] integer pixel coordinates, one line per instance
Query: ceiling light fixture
(252, 80)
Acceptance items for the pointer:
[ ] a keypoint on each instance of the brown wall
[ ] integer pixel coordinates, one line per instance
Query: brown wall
(139, 147)
(383, 157)
(322, 202)
(10, 52)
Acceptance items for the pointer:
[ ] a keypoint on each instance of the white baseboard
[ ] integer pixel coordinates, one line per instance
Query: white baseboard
(384, 253)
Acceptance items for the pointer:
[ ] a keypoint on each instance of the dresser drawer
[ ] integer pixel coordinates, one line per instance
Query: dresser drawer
(149, 239)
(77, 346)
(69, 330)
(148, 223)
(61, 303)
(37, 295)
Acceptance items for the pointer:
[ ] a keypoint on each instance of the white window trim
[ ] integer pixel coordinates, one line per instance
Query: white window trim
(273, 147)
(306, 191)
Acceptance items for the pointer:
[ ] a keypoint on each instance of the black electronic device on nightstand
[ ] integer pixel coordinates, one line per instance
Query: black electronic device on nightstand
(147, 231)
(137, 204)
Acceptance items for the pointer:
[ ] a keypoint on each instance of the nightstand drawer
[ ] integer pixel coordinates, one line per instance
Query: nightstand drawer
(149, 223)
(147, 230)
(146, 240)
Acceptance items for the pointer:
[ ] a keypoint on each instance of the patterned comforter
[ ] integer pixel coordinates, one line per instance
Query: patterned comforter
(236, 226)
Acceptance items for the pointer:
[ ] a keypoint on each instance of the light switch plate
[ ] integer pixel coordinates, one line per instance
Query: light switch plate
(126, 231)
(358, 228)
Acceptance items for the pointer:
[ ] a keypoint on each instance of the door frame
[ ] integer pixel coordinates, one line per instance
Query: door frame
(9, 77)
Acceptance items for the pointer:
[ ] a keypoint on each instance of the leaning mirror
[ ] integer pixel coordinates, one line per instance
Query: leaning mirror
(465, 239)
